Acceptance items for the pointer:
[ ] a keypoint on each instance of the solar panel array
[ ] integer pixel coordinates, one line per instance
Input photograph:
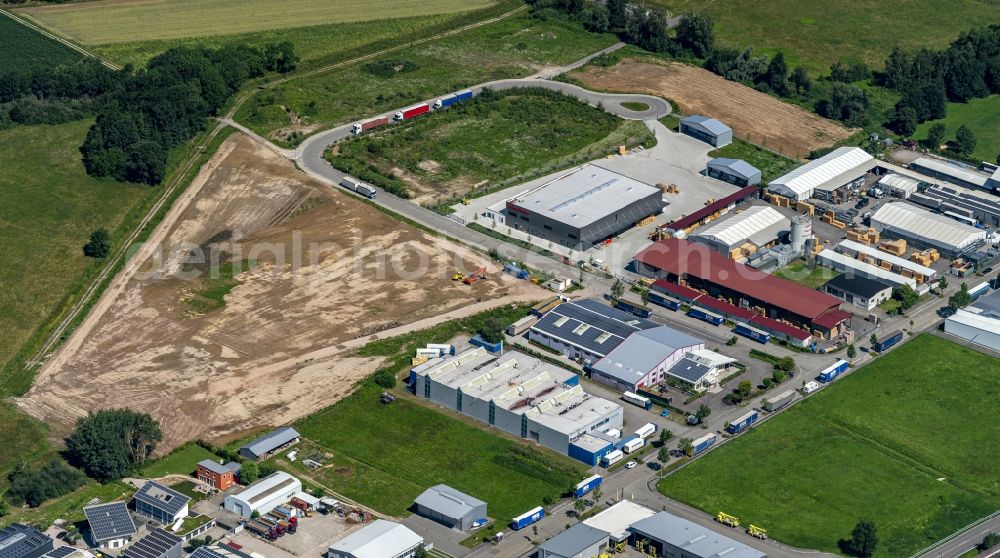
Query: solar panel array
(157, 544)
(60, 552)
(17, 540)
(109, 521)
(565, 322)
(162, 497)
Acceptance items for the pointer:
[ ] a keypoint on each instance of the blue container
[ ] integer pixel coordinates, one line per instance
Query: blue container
(516, 271)
(888, 341)
(587, 485)
(664, 301)
(527, 518)
(478, 341)
(742, 423)
(834, 370)
(752, 333)
(705, 316)
(632, 308)
(703, 443)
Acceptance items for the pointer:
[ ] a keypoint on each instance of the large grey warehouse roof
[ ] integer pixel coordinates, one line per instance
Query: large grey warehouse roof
(154, 545)
(593, 326)
(930, 227)
(271, 440)
(706, 124)
(739, 167)
(693, 538)
(109, 521)
(951, 170)
(573, 541)
(162, 497)
(836, 168)
(17, 540)
(583, 196)
(758, 225)
(643, 351)
(447, 501)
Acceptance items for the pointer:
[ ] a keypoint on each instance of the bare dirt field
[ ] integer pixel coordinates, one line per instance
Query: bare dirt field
(322, 273)
(754, 116)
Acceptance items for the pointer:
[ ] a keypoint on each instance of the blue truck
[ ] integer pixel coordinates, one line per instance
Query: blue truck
(587, 485)
(452, 99)
(705, 316)
(752, 333)
(830, 373)
(634, 308)
(527, 518)
(742, 423)
(516, 271)
(888, 341)
(703, 443)
(664, 301)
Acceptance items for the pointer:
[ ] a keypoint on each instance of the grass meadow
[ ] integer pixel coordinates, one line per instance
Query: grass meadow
(982, 116)
(799, 272)
(771, 164)
(25, 48)
(906, 441)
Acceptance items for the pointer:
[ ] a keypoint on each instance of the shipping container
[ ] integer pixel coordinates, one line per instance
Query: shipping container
(830, 374)
(587, 485)
(978, 291)
(778, 401)
(365, 190)
(614, 433)
(370, 124)
(428, 352)
(703, 443)
(415, 110)
(634, 308)
(621, 443)
(633, 445)
(527, 518)
(612, 458)
(522, 325)
(638, 400)
(752, 333)
(349, 183)
(664, 301)
(646, 430)
(888, 341)
(444, 348)
(705, 315)
(742, 423)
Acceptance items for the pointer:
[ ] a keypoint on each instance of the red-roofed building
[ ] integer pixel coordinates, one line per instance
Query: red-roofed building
(695, 266)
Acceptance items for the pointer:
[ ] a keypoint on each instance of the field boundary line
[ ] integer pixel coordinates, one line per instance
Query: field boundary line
(956, 534)
(37, 28)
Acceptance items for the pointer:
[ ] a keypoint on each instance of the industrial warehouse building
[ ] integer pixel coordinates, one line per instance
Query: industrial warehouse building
(585, 329)
(978, 323)
(670, 535)
(862, 292)
(950, 172)
(733, 171)
(743, 234)
(583, 207)
(161, 503)
(708, 130)
(378, 539)
(853, 267)
(21, 541)
(269, 444)
(643, 358)
(701, 369)
(450, 507)
(694, 266)
(519, 394)
(822, 178)
(922, 229)
(898, 186)
(967, 206)
(616, 520)
(894, 263)
(263, 495)
(579, 541)
(711, 211)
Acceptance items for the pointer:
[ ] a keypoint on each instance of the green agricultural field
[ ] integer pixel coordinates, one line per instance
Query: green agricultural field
(819, 32)
(905, 441)
(514, 47)
(26, 439)
(481, 142)
(182, 461)
(799, 272)
(982, 116)
(124, 22)
(24, 48)
(771, 164)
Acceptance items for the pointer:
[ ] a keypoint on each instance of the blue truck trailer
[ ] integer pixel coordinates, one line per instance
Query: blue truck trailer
(527, 518)
(830, 374)
(742, 423)
(587, 485)
(888, 341)
(664, 301)
(703, 443)
(634, 308)
(752, 333)
(705, 316)
(452, 99)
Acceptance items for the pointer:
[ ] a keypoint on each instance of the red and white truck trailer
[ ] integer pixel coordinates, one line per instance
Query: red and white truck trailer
(408, 113)
(362, 127)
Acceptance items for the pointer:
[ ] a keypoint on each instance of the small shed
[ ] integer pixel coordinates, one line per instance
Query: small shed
(708, 130)
(270, 443)
(450, 507)
(733, 171)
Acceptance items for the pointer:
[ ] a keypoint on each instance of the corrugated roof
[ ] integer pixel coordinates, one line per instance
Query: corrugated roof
(948, 169)
(739, 167)
(271, 441)
(448, 501)
(759, 224)
(573, 541)
(643, 351)
(852, 266)
(801, 182)
(694, 539)
(267, 487)
(706, 124)
(162, 497)
(378, 539)
(832, 319)
(714, 207)
(618, 518)
(902, 263)
(930, 227)
(899, 182)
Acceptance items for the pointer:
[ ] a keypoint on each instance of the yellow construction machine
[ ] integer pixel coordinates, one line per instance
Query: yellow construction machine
(726, 519)
(757, 532)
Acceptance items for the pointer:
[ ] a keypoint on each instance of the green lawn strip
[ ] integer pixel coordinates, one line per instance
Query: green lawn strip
(510, 48)
(982, 116)
(799, 272)
(872, 446)
(26, 440)
(24, 48)
(182, 461)
(771, 164)
(70, 506)
(635, 105)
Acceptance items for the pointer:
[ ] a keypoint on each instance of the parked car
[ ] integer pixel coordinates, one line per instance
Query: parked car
(631, 465)
(665, 413)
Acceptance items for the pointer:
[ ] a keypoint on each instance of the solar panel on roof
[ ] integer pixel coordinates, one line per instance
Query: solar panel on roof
(60, 552)
(154, 545)
(109, 521)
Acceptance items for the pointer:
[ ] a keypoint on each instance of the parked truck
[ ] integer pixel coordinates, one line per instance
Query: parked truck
(445, 102)
(638, 400)
(611, 458)
(634, 308)
(705, 316)
(261, 530)
(778, 401)
(752, 333)
(703, 443)
(742, 423)
(888, 341)
(633, 445)
(527, 518)
(408, 113)
(362, 127)
(586, 485)
(646, 430)
(664, 301)
(358, 187)
(833, 371)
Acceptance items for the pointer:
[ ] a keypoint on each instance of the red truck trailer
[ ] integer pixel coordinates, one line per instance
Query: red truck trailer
(415, 110)
(369, 124)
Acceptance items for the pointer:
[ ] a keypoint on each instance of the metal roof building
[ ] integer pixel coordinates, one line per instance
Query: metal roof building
(583, 207)
(263, 495)
(161, 503)
(270, 443)
(450, 507)
(857, 268)
(924, 229)
(700, 368)
(862, 292)
(961, 203)
(758, 226)
(852, 248)
(586, 329)
(579, 541)
(616, 520)
(978, 323)
(379, 539)
(898, 185)
(643, 358)
(111, 524)
(708, 130)
(21, 541)
(733, 171)
(835, 169)
(157, 544)
(676, 536)
(949, 171)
